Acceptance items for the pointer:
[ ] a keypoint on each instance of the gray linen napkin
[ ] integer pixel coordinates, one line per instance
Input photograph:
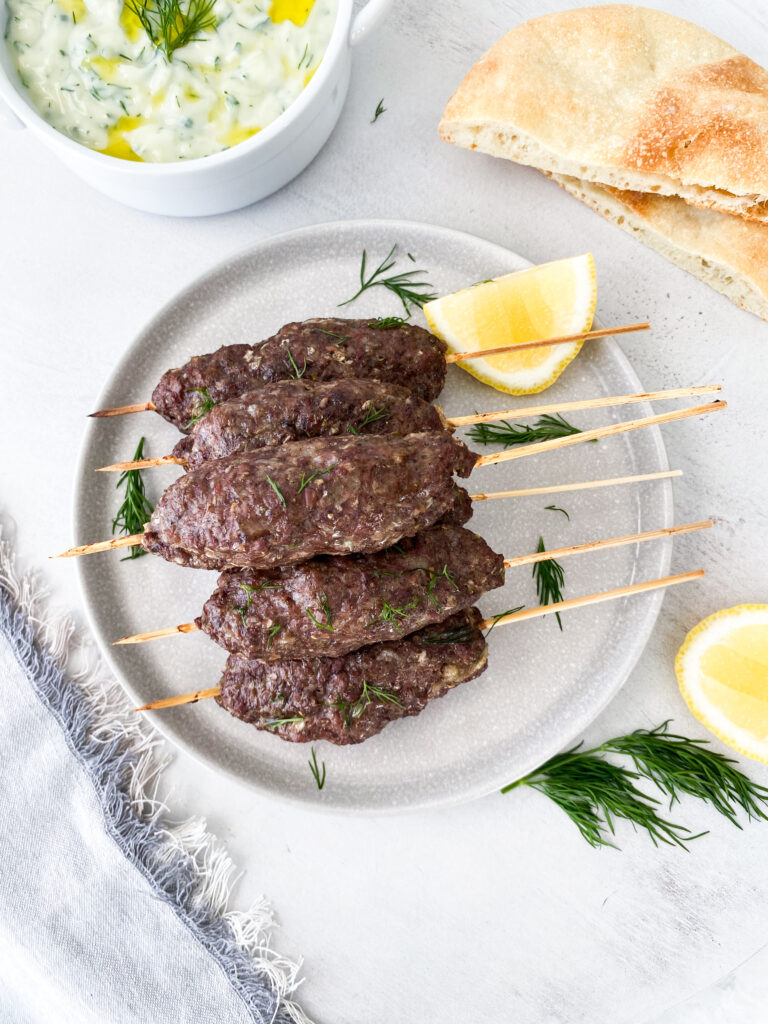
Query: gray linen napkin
(107, 914)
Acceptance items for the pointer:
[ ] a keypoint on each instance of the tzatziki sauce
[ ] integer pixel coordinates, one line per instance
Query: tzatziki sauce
(93, 72)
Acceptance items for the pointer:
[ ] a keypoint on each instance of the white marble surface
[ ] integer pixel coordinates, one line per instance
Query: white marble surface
(496, 910)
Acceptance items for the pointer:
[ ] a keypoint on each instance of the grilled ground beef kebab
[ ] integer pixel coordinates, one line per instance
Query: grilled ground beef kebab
(347, 699)
(292, 410)
(327, 495)
(320, 349)
(335, 604)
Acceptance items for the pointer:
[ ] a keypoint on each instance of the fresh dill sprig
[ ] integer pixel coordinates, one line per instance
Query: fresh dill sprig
(386, 323)
(446, 574)
(678, 765)
(556, 508)
(509, 611)
(595, 793)
(272, 634)
(328, 624)
(172, 24)
(136, 509)
(459, 635)
(205, 406)
(549, 576)
(380, 109)
(293, 370)
(390, 614)
(276, 489)
(318, 776)
(372, 416)
(307, 480)
(332, 334)
(544, 429)
(275, 723)
(411, 292)
(354, 709)
(249, 589)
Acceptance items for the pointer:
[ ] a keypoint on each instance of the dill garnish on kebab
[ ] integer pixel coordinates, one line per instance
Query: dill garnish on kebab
(544, 429)
(205, 406)
(372, 416)
(328, 624)
(307, 480)
(405, 285)
(549, 576)
(460, 635)
(594, 792)
(370, 693)
(501, 615)
(386, 323)
(171, 24)
(277, 490)
(390, 614)
(293, 369)
(273, 633)
(249, 589)
(275, 723)
(136, 508)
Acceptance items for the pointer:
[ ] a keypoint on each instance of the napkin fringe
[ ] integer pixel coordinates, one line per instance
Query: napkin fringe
(186, 866)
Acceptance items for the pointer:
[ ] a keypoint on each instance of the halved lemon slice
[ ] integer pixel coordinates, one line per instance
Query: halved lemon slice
(543, 302)
(722, 671)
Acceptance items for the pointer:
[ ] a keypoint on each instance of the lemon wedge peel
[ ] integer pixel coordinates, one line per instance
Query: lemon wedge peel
(545, 301)
(722, 672)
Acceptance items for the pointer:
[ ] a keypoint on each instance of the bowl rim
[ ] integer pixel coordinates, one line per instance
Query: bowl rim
(23, 108)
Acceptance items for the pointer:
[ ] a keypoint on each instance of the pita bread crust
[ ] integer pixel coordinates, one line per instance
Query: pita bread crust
(729, 253)
(624, 96)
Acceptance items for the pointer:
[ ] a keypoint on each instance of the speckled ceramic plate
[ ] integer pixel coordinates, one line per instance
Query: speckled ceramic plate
(542, 686)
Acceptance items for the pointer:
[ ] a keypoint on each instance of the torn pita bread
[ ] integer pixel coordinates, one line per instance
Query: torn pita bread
(729, 253)
(627, 97)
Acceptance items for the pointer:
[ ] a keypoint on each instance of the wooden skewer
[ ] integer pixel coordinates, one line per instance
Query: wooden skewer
(462, 421)
(102, 545)
(530, 613)
(509, 563)
(123, 410)
(611, 542)
(455, 357)
(157, 634)
(582, 602)
(161, 460)
(587, 403)
(603, 332)
(584, 485)
(599, 432)
(187, 698)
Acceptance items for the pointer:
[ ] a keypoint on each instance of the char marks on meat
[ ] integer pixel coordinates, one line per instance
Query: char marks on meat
(327, 495)
(319, 349)
(293, 410)
(332, 605)
(350, 698)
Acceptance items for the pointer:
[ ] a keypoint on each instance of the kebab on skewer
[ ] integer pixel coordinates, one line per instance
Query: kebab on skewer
(350, 698)
(294, 410)
(332, 605)
(326, 495)
(387, 350)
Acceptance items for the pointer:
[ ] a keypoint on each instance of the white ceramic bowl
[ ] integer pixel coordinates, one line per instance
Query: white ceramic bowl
(224, 181)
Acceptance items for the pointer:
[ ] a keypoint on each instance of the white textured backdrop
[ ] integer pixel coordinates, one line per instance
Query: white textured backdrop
(495, 911)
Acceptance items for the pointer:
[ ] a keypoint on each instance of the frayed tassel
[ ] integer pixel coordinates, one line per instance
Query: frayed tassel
(183, 863)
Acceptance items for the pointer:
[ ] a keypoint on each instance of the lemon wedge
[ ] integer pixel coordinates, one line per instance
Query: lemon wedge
(722, 671)
(543, 302)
